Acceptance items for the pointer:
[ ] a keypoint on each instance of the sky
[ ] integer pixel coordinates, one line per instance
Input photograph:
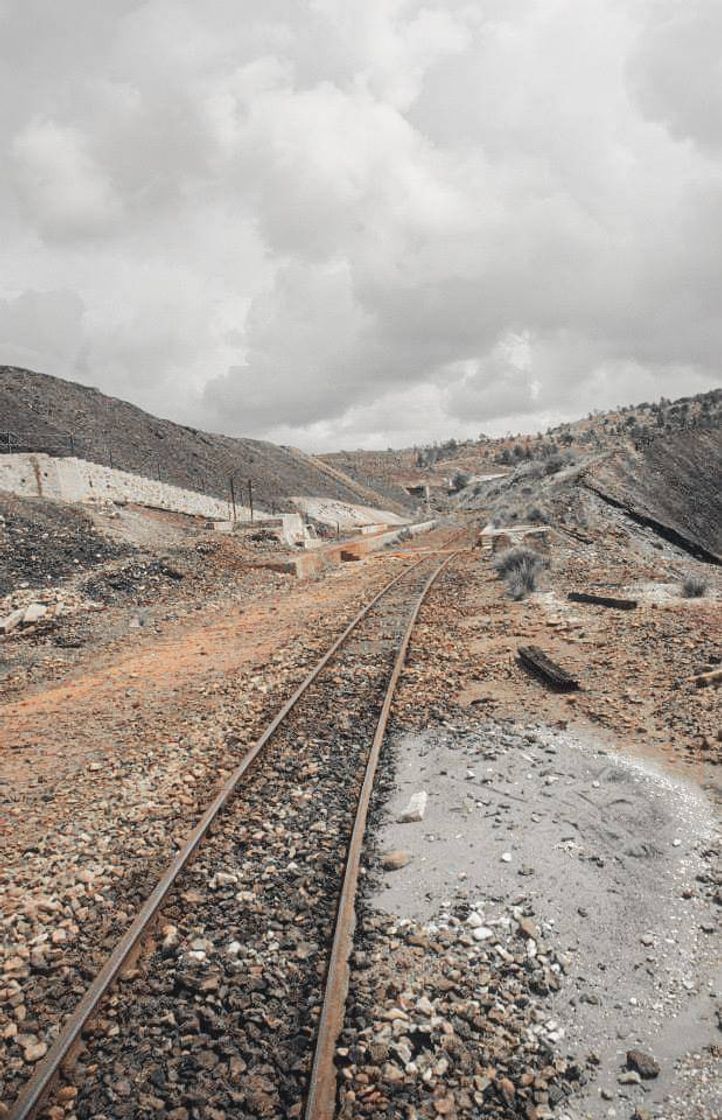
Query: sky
(363, 223)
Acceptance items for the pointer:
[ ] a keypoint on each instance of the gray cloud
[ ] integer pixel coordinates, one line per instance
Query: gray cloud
(363, 221)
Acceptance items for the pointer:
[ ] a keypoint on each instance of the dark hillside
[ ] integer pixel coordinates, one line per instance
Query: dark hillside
(42, 413)
(674, 483)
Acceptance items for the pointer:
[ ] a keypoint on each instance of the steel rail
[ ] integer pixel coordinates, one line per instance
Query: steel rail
(35, 1091)
(321, 1099)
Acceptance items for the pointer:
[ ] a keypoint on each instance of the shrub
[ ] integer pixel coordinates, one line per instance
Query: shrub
(553, 464)
(514, 557)
(529, 470)
(694, 587)
(459, 481)
(520, 568)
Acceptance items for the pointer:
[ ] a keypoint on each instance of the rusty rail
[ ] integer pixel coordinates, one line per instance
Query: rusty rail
(321, 1101)
(36, 1090)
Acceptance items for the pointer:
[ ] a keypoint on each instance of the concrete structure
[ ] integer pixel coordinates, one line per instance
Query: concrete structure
(329, 511)
(494, 540)
(288, 528)
(77, 480)
(342, 552)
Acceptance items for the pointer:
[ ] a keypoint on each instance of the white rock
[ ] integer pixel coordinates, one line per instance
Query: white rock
(482, 933)
(34, 613)
(506, 857)
(474, 920)
(11, 621)
(415, 809)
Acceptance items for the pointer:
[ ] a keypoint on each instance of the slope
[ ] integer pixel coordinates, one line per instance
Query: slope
(43, 413)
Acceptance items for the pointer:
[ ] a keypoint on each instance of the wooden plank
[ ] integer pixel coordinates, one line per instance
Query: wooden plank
(704, 679)
(602, 600)
(539, 663)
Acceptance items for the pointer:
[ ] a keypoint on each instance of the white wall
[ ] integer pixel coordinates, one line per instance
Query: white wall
(76, 480)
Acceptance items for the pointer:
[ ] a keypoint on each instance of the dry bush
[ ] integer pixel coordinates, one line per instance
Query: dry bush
(520, 568)
(694, 587)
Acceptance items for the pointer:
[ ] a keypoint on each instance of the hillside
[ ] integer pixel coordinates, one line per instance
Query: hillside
(630, 428)
(43, 413)
(674, 484)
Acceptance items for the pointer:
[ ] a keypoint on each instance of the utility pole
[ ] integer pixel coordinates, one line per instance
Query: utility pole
(250, 497)
(233, 497)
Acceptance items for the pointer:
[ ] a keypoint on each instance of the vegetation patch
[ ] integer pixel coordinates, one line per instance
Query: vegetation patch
(520, 568)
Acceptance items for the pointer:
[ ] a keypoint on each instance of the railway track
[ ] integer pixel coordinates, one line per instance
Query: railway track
(225, 996)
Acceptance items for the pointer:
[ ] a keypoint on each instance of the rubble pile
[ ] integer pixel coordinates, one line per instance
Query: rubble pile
(138, 580)
(42, 542)
(447, 1019)
(27, 611)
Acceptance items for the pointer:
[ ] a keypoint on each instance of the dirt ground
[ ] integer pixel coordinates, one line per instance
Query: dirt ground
(596, 812)
(120, 722)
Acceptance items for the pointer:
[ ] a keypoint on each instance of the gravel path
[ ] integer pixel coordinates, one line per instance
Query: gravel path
(221, 1012)
(112, 768)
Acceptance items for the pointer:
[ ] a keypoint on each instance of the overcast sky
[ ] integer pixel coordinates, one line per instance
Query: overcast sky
(363, 222)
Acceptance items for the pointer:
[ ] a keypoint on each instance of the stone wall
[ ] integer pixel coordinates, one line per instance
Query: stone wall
(77, 480)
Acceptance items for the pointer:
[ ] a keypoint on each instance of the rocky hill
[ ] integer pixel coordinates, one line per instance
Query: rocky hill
(673, 484)
(628, 428)
(42, 413)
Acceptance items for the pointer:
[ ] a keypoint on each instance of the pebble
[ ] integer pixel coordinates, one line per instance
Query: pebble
(645, 1065)
(395, 860)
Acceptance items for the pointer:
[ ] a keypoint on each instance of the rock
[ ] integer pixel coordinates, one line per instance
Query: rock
(482, 933)
(444, 1106)
(506, 857)
(644, 1064)
(395, 860)
(415, 809)
(34, 1051)
(171, 939)
(507, 1089)
(528, 929)
(34, 613)
(11, 621)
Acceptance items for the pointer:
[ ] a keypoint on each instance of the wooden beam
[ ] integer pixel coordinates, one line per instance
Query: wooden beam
(541, 665)
(602, 600)
(704, 679)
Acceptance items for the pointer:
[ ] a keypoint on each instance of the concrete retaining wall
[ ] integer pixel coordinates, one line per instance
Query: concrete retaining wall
(77, 480)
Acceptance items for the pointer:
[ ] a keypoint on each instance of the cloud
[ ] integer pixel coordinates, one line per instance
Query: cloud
(65, 193)
(358, 221)
(37, 327)
(676, 71)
